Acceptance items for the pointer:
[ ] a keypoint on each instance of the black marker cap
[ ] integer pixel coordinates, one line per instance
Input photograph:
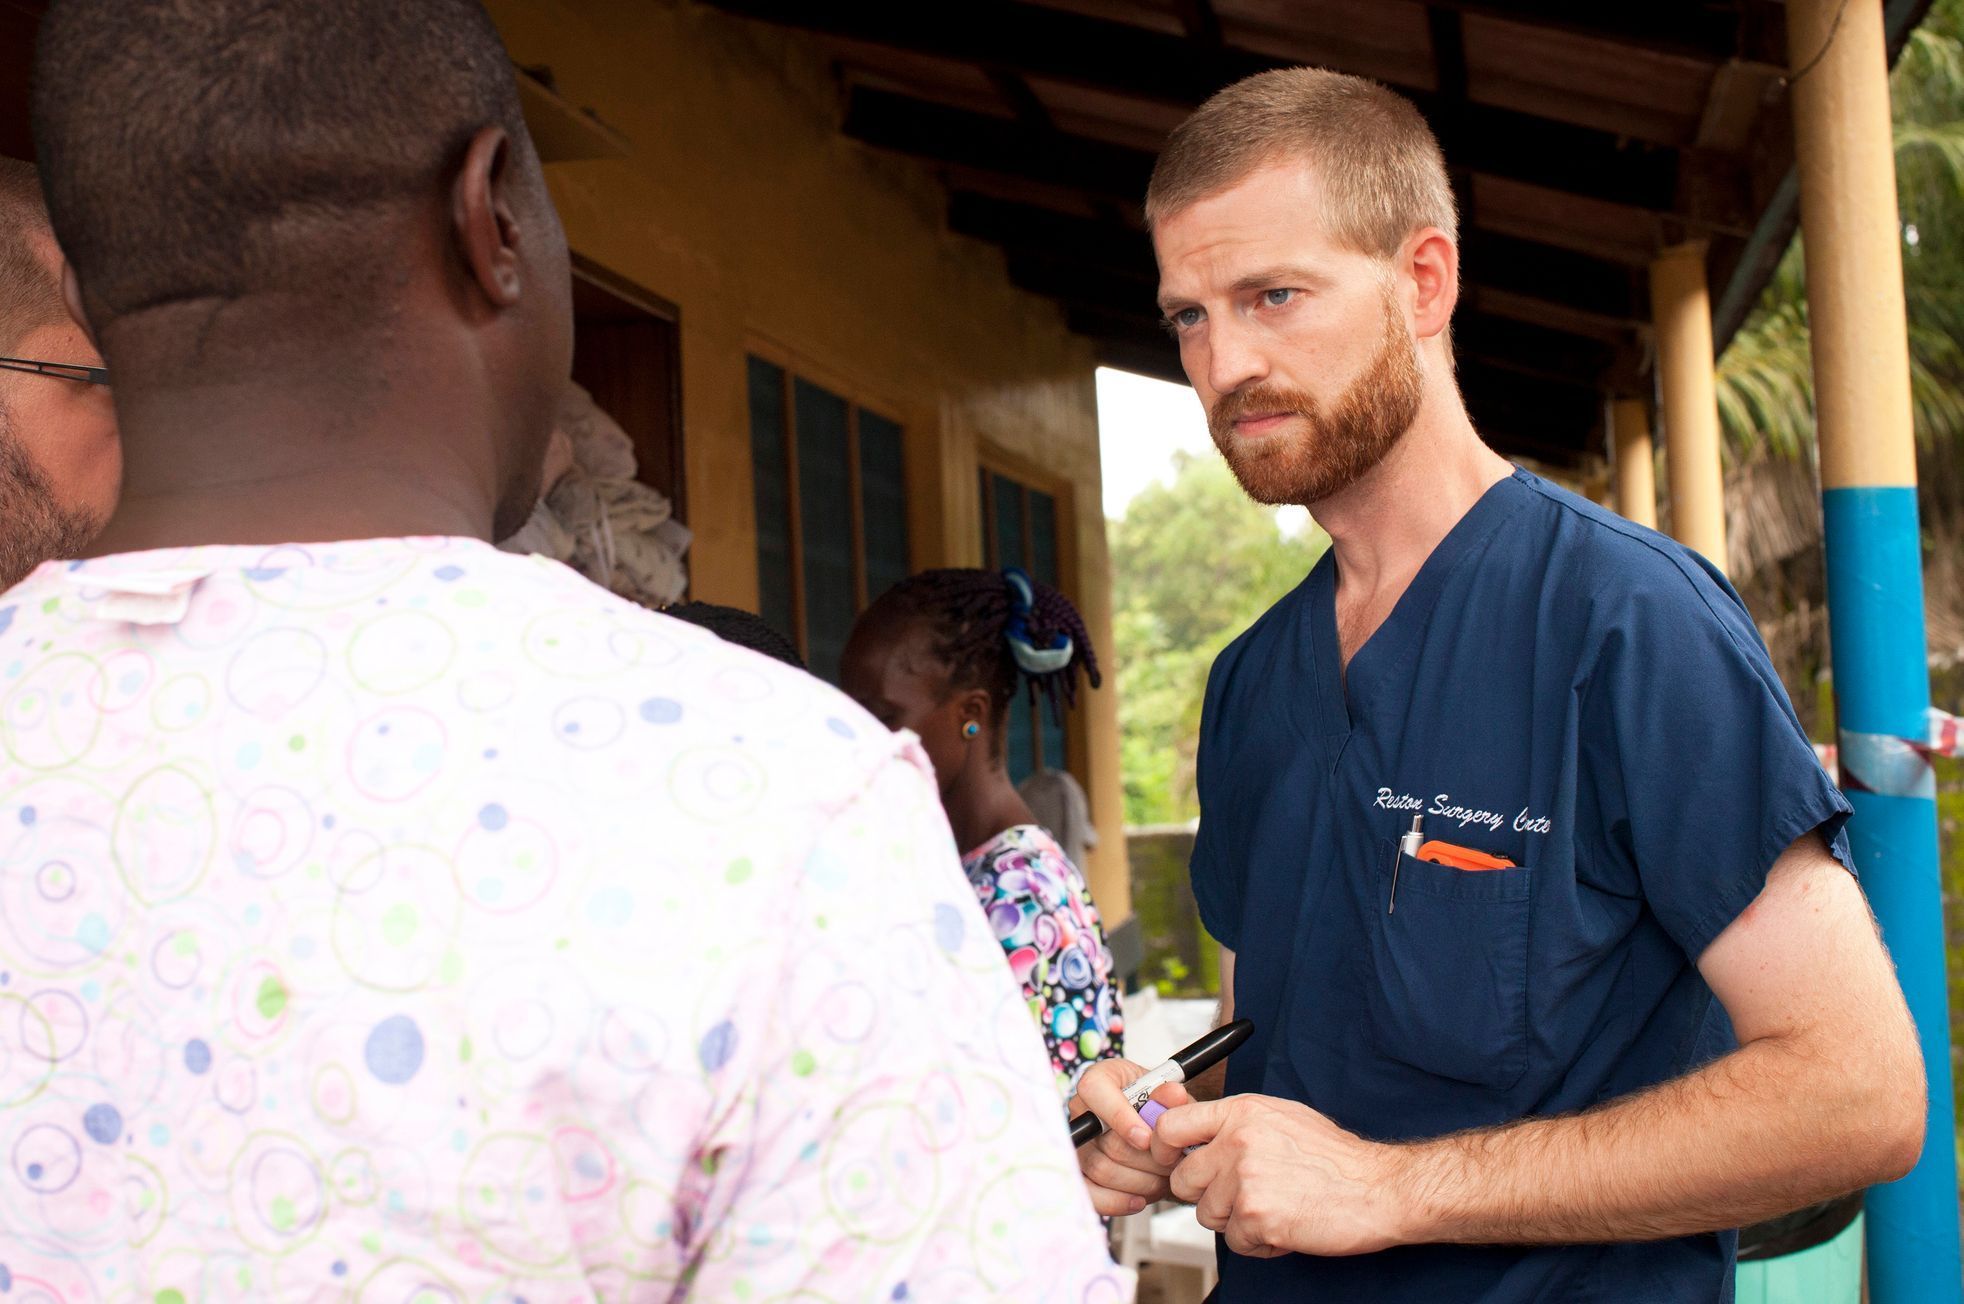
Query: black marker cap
(1213, 1048)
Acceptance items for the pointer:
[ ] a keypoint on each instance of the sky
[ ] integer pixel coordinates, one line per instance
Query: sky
(1141, 423)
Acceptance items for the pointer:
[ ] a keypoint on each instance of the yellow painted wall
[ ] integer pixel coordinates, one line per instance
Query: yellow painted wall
(743, 205)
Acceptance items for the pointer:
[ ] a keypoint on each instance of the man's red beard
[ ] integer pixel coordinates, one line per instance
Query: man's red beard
(1325, 455)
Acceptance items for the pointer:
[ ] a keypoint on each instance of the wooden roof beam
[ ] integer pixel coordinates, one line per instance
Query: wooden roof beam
(1556, 276)
(1530, 348)
(1022, 101)
(1735, 104)
(1706, 33)
(1645, 179)
(945, 135)
(1020, 227)
(1578, 398)
(1022, 191)
(1076, 285)
(1569, 320)
(1557, 415)
(1448, 51)
(1622, 373)
(1202, 24)
(1030, 40)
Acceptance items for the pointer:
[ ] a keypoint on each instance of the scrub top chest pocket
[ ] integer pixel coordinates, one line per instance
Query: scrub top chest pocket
(1449, 991)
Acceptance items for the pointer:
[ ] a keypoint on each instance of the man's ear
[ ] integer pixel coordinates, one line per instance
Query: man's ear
(71, 296)
(1433, 260)
(483, 220)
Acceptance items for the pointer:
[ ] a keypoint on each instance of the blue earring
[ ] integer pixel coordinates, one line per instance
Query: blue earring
(971, 730)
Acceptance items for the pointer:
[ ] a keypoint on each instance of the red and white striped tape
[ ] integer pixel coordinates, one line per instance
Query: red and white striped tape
(1946, 733)
(1894, 767)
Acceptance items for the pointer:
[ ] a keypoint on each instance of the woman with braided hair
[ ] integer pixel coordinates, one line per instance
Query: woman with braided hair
(944, 654)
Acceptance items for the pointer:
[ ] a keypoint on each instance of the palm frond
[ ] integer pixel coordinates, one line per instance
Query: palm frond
(1929, 171)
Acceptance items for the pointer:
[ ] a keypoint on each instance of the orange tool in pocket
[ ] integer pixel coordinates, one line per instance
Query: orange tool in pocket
(1445, 853)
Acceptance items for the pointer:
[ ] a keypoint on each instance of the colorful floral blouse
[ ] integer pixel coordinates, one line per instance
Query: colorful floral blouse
(1042, 914)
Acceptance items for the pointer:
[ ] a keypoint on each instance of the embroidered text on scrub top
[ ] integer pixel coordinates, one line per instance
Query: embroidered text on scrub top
(1447, 809)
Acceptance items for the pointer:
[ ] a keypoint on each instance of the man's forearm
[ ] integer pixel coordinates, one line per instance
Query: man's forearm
(1757, 1133)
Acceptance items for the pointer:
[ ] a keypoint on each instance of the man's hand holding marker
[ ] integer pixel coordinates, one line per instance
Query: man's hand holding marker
(1115, 1145)
(1276, 1177)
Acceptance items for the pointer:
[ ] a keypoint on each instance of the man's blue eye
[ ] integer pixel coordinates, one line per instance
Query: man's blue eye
(1276, 298)
(1187, 317)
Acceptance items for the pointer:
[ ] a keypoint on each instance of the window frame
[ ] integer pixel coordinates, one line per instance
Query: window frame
(992, 461)
(794, 367)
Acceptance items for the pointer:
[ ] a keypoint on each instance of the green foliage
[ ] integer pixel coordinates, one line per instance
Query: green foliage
(1181, 959)
(1179, 979)
(1765, 377)
(1193, 564)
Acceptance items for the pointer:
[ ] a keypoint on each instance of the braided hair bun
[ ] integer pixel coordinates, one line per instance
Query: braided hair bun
(997, 630)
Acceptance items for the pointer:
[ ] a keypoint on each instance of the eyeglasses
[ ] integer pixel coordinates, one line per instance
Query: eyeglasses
(59, 370)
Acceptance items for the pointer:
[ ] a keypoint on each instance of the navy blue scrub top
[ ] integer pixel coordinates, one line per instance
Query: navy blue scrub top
(1559, 687)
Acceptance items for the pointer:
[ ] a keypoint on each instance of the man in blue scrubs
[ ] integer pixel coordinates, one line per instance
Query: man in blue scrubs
(1647, 1001)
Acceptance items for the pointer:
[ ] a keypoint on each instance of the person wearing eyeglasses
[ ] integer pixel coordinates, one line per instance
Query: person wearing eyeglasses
(61, 465)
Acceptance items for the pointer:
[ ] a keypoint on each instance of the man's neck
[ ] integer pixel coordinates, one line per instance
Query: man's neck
(1383, 527)
(307, 507)
(331, 450)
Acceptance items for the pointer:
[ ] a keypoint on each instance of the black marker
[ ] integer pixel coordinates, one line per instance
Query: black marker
(1183, 1067)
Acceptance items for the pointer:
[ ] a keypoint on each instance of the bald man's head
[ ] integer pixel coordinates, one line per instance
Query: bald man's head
(60, 463)
(330, 207)
(232, 148)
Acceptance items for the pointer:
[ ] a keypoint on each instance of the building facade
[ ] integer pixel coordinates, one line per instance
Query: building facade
(927, 412)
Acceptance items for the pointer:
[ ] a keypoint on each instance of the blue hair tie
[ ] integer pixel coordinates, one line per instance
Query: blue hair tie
(1033, 660)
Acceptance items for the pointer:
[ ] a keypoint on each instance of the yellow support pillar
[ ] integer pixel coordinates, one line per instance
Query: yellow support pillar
(1853, 241)
(1681, 307)
(1636, 466)
(1853, 238)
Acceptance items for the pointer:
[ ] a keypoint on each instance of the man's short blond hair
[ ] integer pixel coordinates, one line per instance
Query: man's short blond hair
(1381, 168)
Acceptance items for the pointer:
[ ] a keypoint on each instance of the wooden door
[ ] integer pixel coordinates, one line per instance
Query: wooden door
(627, 353)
